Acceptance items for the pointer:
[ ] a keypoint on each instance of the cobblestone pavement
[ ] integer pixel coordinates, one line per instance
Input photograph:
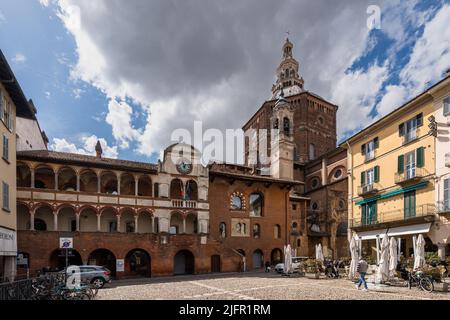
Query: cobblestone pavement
(256, 286)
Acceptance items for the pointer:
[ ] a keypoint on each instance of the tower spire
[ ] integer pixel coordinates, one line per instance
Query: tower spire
(288, 78)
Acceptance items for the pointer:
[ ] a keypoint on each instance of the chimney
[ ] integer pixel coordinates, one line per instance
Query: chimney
(98, 149)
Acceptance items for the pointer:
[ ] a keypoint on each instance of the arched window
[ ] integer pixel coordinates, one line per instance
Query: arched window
(237, 201)
(294, 225)
(156, 190)
(277, 231)
(276, 124)
(191, 190)
(176, 189)
(256, 204)
(315, 183)
(286, 73)
(40, 225)
(223, 230)
(286, 126)
(312, 151)
(256, 231)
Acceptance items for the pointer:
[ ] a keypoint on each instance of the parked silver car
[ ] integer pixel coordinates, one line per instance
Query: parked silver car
(95, 275)
(296, 263)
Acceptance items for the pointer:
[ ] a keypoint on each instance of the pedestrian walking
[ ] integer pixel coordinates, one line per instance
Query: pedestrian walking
(362, 270)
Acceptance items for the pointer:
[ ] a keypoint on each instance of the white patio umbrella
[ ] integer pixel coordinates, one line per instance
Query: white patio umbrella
(319, 253)
(383, 267)
(354, 246)
(287, 259)
(419, 258)
(393, 257)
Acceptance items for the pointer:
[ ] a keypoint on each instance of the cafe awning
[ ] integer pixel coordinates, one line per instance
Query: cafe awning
(372, 234)
(412, 229)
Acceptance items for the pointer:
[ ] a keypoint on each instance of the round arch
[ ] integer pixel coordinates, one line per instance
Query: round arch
(67, 179)
(57, 259)
(23, 174)
(258, 259)
(88, 181)
(44, 177)
(138, 263)
(183, 263)
(105, 258)
(276, 256)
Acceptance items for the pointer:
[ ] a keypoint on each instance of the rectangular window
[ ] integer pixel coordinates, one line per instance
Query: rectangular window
(5, 153)
(411, 130)
(2, 106)
(446, 195)
(410, 204)
(410, 165)
(369, 213)
(447, 106)
(5, 189)
(370, 150)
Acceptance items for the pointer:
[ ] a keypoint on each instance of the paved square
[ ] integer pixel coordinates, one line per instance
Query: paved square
(255, 286)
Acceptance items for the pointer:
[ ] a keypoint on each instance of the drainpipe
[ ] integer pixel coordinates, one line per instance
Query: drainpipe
(350, 199)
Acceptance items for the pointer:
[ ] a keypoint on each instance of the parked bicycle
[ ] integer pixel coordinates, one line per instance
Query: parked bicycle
(421, 280)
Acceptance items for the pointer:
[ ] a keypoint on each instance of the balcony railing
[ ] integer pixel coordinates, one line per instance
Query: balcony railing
(425, 210)
(447, 160)
(190, 204)
(368, 189)
(410, 175)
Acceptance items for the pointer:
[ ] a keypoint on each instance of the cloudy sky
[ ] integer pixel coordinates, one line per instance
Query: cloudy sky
(130, 72)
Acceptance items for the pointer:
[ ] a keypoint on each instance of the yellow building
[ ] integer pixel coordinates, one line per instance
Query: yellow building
(392, 166)
(12, 103)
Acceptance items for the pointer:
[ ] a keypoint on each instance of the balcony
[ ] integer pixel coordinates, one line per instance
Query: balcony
(447, 160)
(368, 190)
(425, 212)
(189, 204)
(410, 176)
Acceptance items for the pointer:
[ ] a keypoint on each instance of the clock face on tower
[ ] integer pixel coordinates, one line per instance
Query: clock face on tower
(184, 166)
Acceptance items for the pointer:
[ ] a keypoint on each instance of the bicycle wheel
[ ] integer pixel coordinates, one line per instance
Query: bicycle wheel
(426, 284)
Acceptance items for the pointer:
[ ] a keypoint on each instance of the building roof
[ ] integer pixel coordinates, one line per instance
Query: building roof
(396, 111)
(229, 171)
(12, 86)
(85, 160)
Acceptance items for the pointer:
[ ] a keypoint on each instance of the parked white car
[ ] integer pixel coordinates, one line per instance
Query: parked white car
(296, 262)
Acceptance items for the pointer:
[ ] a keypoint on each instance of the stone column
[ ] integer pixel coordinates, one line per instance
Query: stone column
(118, 223)
(118, 185)
(77, 217)
(136, 186)
(99, 222)
(32, 212)
(153, 224)
(55, 220)
(56, 179)
(99, 183)
(184, 224)
(136, 218)
(78, 181)
(32, 178)
(441, 251)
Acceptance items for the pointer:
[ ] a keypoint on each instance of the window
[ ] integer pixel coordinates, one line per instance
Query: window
(223, 230)
(256, 203)
(277, 231)
(408, 129)
(369, 213)
(5, 188)
(256, 231)
(156, 190)
(410, 204)
(6, 111)
(236, 203)
(294, 207)
(312, 151)
(112, 226)
(447, 106)
(2, 106)
(73, 225)
(173, 230)
(446, 195)
(315, 206)
(40, 225)
(129, 226)
(410, 161)
(295, 225)
(315, 183)
(286, 126)
(341, 204)
(368, 149)
(369, 177)
(337, 173)
(5, 147)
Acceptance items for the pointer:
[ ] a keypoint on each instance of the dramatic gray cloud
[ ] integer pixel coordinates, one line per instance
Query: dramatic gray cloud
(215, 60)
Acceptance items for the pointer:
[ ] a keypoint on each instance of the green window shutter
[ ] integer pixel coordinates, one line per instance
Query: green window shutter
(420, 154)
(419, 120)
(376, 143)
(363, 149)
(400, 165)
(363, 178)
(376, 174)
(401, 130)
